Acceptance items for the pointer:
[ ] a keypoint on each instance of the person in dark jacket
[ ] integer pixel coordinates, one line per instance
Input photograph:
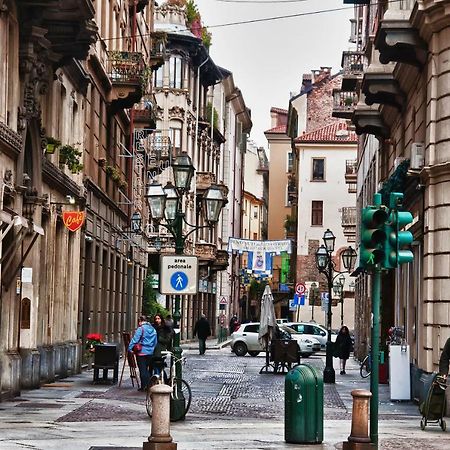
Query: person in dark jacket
(202, 330)
(343, 346)
(164, 344)
(233, 323)
(144, 335)
(445, 359)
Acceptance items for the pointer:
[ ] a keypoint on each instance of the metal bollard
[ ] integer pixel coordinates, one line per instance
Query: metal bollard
(160, 438)
(359, 436)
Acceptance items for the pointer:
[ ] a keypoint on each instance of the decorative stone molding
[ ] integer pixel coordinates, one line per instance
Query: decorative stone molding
(206, 251)
(221, 261)
(204, 180)
(10, 137)
(176, 112)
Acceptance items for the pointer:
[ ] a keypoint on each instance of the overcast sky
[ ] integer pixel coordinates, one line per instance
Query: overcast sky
(268, 58)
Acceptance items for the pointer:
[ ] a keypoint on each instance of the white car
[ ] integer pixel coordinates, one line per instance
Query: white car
(312, 330)
(245, 340)
(305, 343)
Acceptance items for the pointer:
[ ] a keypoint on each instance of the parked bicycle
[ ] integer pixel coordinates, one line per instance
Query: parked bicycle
(180, 387)
(365, 369)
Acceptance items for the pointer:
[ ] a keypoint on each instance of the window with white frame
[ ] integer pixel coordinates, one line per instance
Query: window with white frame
(176, 72)
(175, 137)
(158, 77)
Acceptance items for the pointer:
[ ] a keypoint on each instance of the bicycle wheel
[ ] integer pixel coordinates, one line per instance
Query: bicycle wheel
(180, 389)
(365, 368)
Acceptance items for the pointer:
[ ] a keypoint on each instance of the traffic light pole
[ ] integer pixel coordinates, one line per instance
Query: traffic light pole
(375, 339)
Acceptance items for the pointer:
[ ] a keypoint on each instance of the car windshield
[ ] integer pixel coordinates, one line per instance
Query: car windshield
(289, 330)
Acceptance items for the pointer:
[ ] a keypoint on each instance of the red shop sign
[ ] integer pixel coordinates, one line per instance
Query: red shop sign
(73, 220)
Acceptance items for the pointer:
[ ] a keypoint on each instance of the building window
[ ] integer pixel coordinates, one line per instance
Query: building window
(176, 72)
(158, 77)
(255, 212)
(290, 160)
(25, 314)
(318, 169)
(288, 196)
(175, 139)
(255, 236)
(317, 213)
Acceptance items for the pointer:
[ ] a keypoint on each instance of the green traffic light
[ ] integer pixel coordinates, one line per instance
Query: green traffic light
(373, 236)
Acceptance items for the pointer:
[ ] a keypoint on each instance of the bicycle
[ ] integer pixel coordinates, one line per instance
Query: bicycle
(180, 388)
(365, 369)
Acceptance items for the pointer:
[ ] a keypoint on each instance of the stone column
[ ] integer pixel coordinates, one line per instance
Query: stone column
(359, 436)
(160, 438)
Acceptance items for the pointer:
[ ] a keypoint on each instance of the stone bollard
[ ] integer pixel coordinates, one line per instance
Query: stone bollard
(160, 438)
(359, 437)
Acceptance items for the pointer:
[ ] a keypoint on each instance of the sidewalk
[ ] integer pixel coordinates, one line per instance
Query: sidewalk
(75, 414)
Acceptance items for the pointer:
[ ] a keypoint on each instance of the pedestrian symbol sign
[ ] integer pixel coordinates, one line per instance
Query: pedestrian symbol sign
(179, 275)
(179, 281)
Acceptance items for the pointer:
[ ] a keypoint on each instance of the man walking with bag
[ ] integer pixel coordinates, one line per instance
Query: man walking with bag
(202, 330)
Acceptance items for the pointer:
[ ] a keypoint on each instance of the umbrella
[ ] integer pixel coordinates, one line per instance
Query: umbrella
(267, 322)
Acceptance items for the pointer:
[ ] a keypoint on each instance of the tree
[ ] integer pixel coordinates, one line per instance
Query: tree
(150, 305)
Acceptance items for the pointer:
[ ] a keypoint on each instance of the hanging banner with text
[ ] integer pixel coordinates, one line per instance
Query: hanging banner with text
(246, 245)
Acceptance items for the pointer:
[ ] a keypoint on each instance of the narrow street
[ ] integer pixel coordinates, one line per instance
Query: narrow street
(233, 407)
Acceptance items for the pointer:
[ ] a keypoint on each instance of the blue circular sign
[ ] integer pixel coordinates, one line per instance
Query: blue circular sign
(179, 281)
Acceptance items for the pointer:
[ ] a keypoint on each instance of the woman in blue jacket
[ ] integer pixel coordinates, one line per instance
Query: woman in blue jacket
(145, 335)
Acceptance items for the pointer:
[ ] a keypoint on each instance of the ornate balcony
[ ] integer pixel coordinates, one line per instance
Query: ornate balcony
(397, 40)
(221, 261)
(349, 223)
(126, 72)
(205, 251)
(368, 120)
(204, 180)
(351, 171)
(158, 49)
(10, 140)
(344, 103)
(353, 69)
(380, 86)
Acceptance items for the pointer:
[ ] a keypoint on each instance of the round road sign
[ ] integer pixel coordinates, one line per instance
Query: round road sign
(300, 288)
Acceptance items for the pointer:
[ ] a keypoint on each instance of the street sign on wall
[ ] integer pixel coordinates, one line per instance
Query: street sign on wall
(179, 275)
(300, 289)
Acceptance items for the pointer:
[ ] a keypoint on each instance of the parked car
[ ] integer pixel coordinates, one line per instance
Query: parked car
(281, 321)
(312, 330)
(305, 343)
(245, 340)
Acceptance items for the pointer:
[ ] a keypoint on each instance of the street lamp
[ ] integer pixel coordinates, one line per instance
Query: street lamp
(165, 206)
(314, 294)
(326, 266)
(338, 289)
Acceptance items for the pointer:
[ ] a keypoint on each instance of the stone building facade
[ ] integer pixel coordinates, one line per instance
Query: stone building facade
(402, 116)
(69, 72)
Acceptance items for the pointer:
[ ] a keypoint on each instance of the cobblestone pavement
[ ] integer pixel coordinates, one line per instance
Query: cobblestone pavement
(233, 407)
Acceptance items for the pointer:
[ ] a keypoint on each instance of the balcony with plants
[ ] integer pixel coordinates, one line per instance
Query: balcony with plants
(344, 103)
(129, 77)
(157, 49)
(397, 40)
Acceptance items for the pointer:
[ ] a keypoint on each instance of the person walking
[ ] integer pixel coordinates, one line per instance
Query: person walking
(143, 344)
(233, 322)
(165, 335)
(202, 330)
(343, 346)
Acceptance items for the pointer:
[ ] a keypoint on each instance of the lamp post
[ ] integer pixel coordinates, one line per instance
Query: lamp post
(314, 293)
(326, 266)
(166, 205)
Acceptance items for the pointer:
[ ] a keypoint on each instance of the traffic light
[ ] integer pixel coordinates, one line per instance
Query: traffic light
(395, 253)
(373, 236)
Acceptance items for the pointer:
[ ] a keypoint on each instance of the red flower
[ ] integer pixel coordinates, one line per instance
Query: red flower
(94, 337)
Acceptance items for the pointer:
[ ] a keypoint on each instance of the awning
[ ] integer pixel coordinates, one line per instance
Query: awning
(24, 228)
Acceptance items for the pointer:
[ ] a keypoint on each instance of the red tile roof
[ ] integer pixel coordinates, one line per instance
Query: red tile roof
(336, 132)
(279, 129)
(278, 110)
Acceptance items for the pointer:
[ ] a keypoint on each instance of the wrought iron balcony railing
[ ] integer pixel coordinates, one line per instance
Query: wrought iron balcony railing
(125, 67)
(349, 216)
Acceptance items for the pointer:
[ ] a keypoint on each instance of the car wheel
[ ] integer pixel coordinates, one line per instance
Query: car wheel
(240, 349)
(253, 353)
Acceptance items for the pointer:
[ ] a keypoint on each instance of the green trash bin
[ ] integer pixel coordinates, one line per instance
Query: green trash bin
(303, 405)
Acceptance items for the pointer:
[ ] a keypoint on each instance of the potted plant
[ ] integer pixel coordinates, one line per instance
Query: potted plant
(70, 156)
(92, 339)
(52, 144)
(123, 184)
(113, 173)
